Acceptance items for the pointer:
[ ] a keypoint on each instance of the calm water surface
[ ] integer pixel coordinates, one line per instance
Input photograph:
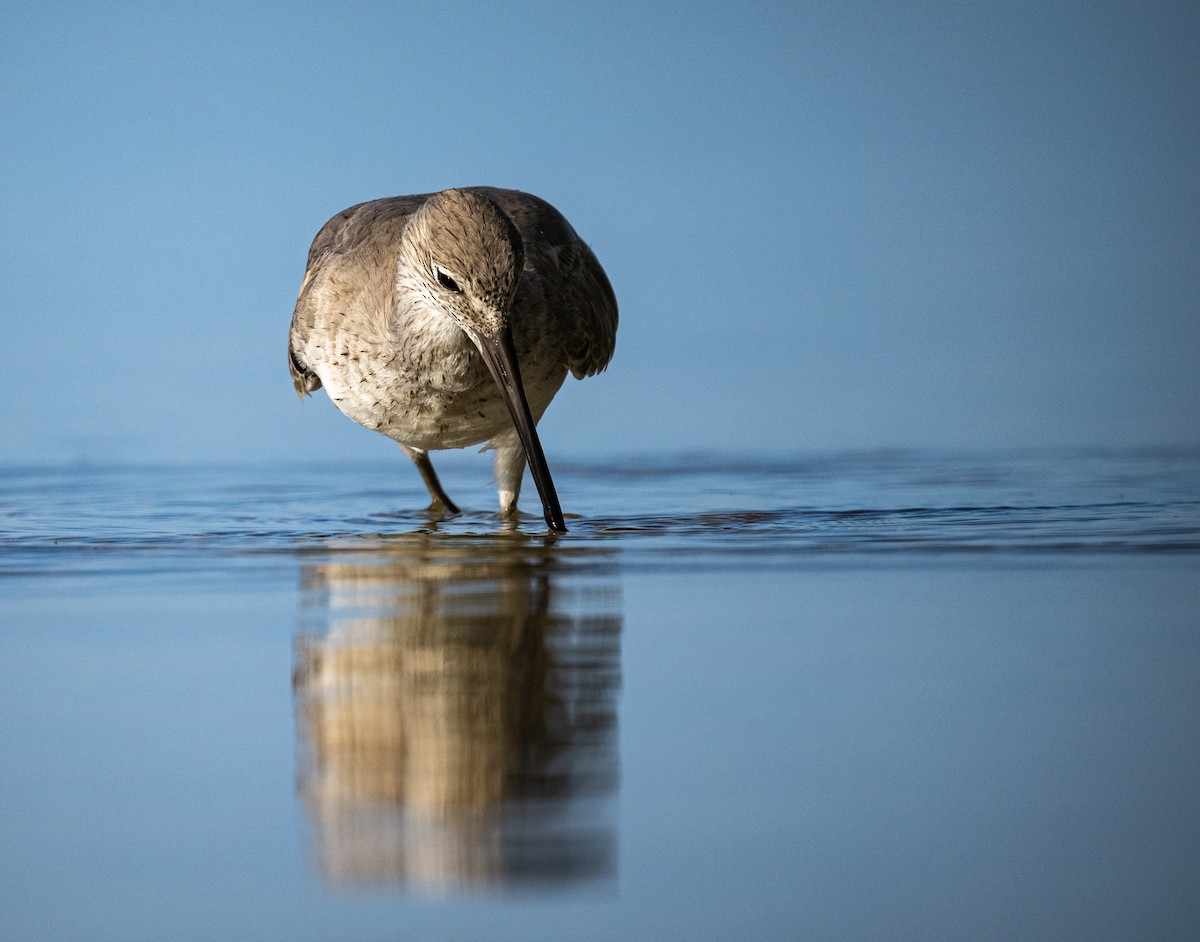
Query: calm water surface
(853, 696)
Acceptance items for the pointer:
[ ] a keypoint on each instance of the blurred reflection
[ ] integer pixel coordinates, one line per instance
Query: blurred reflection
(456, 707)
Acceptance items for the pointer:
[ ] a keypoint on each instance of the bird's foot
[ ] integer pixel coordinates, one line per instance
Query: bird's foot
(440, 510)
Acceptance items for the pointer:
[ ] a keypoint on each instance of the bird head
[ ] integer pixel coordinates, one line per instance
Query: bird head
(470, 257)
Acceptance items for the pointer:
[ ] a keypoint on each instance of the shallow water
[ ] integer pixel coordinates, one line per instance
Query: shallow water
(884, 695)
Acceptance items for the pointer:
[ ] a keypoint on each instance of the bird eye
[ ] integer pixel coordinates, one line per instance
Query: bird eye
(447, 282)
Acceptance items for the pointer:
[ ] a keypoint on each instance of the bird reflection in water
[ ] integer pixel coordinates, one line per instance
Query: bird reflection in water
(456, 707)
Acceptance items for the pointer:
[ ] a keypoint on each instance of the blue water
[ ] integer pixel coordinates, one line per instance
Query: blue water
(872, 695)
(863, 504)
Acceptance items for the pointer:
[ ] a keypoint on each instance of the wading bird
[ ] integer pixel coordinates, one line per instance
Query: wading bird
(449, 319)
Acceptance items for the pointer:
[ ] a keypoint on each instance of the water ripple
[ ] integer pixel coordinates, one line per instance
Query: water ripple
(652, 514)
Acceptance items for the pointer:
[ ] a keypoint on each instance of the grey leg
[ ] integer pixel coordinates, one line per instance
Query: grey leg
(420, 457)
(509, 467)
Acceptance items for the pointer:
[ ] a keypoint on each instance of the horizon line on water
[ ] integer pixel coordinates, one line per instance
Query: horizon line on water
(721, 458)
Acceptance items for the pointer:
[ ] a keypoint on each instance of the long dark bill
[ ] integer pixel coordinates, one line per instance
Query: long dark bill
(501, 358)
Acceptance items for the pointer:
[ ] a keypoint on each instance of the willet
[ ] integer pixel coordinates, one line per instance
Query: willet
(449, 319)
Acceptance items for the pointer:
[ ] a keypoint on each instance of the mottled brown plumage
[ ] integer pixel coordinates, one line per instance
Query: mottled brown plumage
(450, 319)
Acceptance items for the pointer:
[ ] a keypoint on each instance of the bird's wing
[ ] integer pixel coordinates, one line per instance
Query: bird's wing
(577, 289)
(361, 229)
